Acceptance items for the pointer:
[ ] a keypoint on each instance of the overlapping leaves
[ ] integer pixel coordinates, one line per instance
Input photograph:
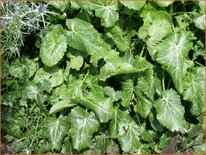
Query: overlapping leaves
(111, 77)
(126, 130)
(157, 26)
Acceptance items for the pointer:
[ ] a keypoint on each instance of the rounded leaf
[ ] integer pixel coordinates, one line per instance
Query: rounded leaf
(170, 112)
(172, 54)
(53, 46)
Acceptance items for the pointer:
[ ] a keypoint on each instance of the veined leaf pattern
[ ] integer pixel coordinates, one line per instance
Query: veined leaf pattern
(83, 126)
(170, 112)
(172, 53)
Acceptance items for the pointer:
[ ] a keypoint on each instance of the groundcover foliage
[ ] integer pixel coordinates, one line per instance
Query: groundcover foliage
(108, 77)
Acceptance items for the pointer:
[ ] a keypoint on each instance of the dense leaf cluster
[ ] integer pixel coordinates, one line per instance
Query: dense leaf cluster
(109, 77)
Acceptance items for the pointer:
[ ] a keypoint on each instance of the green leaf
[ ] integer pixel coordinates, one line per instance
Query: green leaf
(82, 36)
(12, 129)
(43, 147)
(200, 22)
(73, 89)
(164, 140)
(172, 53)
(106, 77)
(157, 85)
(199, 149)
(115, 66)
(34, 91)
(59, 5)
(65, 93)
(58, 129)
(195, 90)
(102, 107)
(199, 50)
(115, 34)
(114, 148)
(61, 105)
(53, 74)
(157, 25)
(110, 92)
(74, 5)
(170, 112)
(143, 105)
(129, 138)
(164, 4)
(148, 135)
(126, 130)
(102, 143)
(130, 34)
(132, 4)
(183, 21)
(66, 146)
(10, 126)
(155, 124)
(201, 5)
(146, 83)
(53, 46)
(119, 121)
(93, 84)
(141, 63)
(83, 125)
(5, 69)
(145, 148)
(107, 11)
(23, 68)
(76, 62)
(30, 91)
(129, 12)
(127, 92)
(10, 98)
(194, 131)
